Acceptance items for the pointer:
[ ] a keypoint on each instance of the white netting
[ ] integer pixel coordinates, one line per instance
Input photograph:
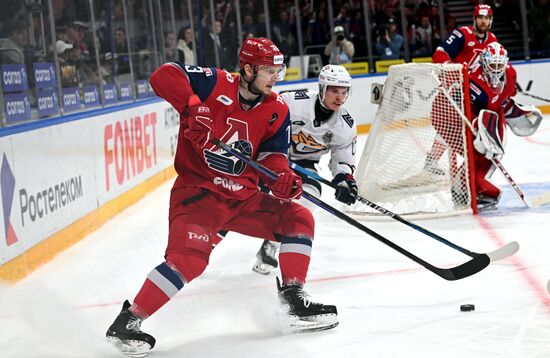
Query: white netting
(414, 160)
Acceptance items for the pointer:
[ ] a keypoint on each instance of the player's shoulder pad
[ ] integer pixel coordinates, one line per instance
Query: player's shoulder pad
(492, 37)
(278, 102)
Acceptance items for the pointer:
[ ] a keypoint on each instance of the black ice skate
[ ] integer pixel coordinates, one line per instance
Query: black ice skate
(266, 258)
(306, 316)
(486, 202)
(125, 334)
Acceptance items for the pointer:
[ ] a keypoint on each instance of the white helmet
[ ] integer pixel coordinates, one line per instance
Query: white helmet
(494, 59)
(333, 75)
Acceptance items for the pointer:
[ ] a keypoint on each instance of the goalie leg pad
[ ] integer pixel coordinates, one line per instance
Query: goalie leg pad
(490, 135)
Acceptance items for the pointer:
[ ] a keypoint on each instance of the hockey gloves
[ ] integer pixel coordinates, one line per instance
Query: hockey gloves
(199, 124)
(347, 188)
(287, 186)
(488, 140)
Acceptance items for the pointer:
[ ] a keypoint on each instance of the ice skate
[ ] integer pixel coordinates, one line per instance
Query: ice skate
(306, 316)
(485, 202)
(125, 334)
(266, 258)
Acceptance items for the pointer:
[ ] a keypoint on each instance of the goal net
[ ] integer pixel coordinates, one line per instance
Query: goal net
(416, 157)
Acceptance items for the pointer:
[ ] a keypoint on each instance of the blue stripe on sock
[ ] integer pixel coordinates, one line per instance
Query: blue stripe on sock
(297, 240)
(170, 275)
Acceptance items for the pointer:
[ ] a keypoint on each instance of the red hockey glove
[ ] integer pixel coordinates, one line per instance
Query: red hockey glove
(287, 186)
(199, 124)
(347, 188)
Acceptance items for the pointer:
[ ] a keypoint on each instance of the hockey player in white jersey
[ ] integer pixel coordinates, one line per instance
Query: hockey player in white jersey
(320, 125)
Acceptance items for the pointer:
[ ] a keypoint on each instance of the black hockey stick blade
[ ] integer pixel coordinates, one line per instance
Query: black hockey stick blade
(468, 268)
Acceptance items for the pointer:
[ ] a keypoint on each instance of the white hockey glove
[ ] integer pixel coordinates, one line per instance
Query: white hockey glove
(488, 140)
(523, 120)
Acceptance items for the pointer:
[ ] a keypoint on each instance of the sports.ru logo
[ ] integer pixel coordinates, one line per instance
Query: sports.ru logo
(7, 183)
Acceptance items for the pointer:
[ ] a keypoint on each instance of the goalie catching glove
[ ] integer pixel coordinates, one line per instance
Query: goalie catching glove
(198, 121)
(489, 137)
(347, 188)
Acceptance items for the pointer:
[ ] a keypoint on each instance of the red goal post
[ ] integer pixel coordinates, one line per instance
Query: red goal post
(418, 159)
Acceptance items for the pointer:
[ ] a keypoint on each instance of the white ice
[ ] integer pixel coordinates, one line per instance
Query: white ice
(388, 305)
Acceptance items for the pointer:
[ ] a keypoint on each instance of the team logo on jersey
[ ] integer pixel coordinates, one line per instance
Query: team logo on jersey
(303, 144)
(298, 123)
(471, 43)
(300, 95)
(347, 118)
(224, 99)
(207, 71)
(236, 136)
(327, 137)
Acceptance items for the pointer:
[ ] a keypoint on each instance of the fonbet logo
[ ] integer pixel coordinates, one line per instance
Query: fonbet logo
(7, 182)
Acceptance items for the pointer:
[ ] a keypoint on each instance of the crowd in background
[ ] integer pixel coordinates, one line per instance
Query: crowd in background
(132, 38)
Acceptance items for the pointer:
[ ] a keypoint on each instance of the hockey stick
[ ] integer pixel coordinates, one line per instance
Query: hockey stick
(520, 90)
(495, 161)
(466, 269)
(498, 254)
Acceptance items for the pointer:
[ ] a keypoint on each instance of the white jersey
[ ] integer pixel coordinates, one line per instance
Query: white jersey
(311, 139)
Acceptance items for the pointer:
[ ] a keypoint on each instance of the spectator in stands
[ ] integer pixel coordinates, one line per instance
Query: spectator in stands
(422, 38)
(282, 35)
(340, 50)
(185, 46)
(388, 43)
(216, 39)
(62, 49)
(170, 51)
(122, 53)
(13, 48)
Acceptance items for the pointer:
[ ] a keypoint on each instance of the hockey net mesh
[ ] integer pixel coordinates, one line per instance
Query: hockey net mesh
(415, 157)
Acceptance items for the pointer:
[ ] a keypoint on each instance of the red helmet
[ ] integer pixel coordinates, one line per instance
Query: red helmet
(483, 10)
(260, 51)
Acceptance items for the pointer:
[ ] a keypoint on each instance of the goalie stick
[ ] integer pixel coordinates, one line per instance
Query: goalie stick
(495, 161)
(466, 269)
(498, 254)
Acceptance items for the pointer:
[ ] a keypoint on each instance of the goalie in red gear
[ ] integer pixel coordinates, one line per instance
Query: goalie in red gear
(492, 86)
(215, 191)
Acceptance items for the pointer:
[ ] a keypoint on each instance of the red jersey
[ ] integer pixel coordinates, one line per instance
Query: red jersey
(260, 132)
(484, 96)
(462, 46)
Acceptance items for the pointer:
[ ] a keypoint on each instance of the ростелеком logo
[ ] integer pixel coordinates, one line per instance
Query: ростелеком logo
(7, 183)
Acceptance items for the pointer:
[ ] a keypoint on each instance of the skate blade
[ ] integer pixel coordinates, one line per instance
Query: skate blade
(313, 323)
(130, 348)
(262, 268)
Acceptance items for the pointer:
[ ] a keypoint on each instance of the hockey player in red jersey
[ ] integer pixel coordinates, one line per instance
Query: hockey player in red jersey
(216, 191)
(465, 43)
(492, 86)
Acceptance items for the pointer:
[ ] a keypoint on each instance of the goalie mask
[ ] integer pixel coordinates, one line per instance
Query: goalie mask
(333, 75)
(494, 59)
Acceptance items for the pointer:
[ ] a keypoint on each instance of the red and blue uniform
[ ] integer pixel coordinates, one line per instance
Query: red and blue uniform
(483, 96)
(462, 46)
(215, 191)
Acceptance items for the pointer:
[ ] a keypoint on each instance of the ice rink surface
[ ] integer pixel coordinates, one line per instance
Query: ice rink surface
(388, 305)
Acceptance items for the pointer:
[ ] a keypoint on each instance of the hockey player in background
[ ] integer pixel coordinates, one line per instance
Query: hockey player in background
(216, 191)
(320, 125)
(492, 86)
(465, 43)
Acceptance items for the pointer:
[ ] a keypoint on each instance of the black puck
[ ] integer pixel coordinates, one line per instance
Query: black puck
(467, 308)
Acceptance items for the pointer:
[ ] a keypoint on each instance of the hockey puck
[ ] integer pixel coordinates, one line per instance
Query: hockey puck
(467, 308)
